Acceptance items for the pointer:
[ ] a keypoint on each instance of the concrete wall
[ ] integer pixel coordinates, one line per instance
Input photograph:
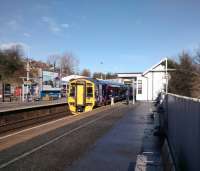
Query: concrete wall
(157, 84)
(182, 126)
(16, 118)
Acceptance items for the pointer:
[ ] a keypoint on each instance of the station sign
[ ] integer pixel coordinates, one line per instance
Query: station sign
(47, 75)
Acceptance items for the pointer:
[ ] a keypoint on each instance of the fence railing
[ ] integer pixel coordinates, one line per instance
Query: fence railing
(181, 123)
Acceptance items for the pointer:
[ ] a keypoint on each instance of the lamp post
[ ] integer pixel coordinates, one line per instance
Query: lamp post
(101, 72)
(27, 78)
(166, 75)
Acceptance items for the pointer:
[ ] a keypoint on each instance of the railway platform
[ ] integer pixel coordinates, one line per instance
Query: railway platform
(120, 148)
(5, 106)
(108, 138)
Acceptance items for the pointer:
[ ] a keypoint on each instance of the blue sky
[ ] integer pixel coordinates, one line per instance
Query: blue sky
(127, 36)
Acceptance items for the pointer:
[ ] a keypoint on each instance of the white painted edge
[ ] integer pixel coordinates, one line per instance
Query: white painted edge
(184, 97)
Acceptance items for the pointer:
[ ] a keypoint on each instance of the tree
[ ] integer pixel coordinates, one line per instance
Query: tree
(65, 64)
(196, 58)
(11, 64)
(107, 76)
(68, 64)
(98, 75)
(110, 75)
(196, 83)
(182, 79)
(53, 61)
(86, 72)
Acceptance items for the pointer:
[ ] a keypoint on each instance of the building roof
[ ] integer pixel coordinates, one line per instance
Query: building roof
(68, 78)
(129, 75)
(136, 74)
(154, 66)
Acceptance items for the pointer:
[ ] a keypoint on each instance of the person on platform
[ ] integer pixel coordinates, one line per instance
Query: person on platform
(127, 96)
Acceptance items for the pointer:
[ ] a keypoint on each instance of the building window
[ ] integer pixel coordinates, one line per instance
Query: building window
(139, 86)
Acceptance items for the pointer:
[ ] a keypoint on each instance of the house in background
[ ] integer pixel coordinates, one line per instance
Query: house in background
(149, 84)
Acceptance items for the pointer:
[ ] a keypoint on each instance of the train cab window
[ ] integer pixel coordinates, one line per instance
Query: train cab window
(89, 92)
(72, 91)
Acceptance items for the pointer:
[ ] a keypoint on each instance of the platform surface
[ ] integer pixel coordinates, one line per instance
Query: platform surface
(10, 106)
(119, 148)
(107, 139)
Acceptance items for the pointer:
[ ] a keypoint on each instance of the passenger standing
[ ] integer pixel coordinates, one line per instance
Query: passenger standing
(127, 96)
(112, 97)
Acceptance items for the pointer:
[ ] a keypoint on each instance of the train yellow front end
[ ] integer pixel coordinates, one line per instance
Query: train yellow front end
(81, 95)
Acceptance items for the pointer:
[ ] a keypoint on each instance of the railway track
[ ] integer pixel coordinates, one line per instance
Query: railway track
(16, 120)
(82, 130)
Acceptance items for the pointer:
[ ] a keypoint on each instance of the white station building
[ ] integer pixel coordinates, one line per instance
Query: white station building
(149, 84)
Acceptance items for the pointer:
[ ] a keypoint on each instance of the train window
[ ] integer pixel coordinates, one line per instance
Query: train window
(89, 84)
(67, 89)
(89, 92)
(72, 91)
(139, 86)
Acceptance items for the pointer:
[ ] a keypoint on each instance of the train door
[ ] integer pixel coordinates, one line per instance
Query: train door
(80, 95)
(100, 94)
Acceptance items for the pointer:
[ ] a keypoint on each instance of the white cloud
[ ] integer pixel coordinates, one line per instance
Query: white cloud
(13, 24)
(52, 25)
(46, 19)
(65, 25)
(83, 17)
(42, 6)
(27, 34)
(10, 45)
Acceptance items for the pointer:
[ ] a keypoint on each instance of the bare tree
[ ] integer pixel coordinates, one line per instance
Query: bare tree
(196, 82)
(196, 58)
(110, 75)
(98, 75)
(86, 73)
(53, 61)
(68, 64)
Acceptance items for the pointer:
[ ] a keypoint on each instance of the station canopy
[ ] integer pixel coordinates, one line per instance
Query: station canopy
(68, 78)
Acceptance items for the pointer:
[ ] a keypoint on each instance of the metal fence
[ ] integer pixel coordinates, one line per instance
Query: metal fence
(182, 126)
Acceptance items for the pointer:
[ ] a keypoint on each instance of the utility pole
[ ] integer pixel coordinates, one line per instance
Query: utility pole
(27, 71)
(27, 77)
(101, 72)
(61, 76)
(166, 75)
(23, 91)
